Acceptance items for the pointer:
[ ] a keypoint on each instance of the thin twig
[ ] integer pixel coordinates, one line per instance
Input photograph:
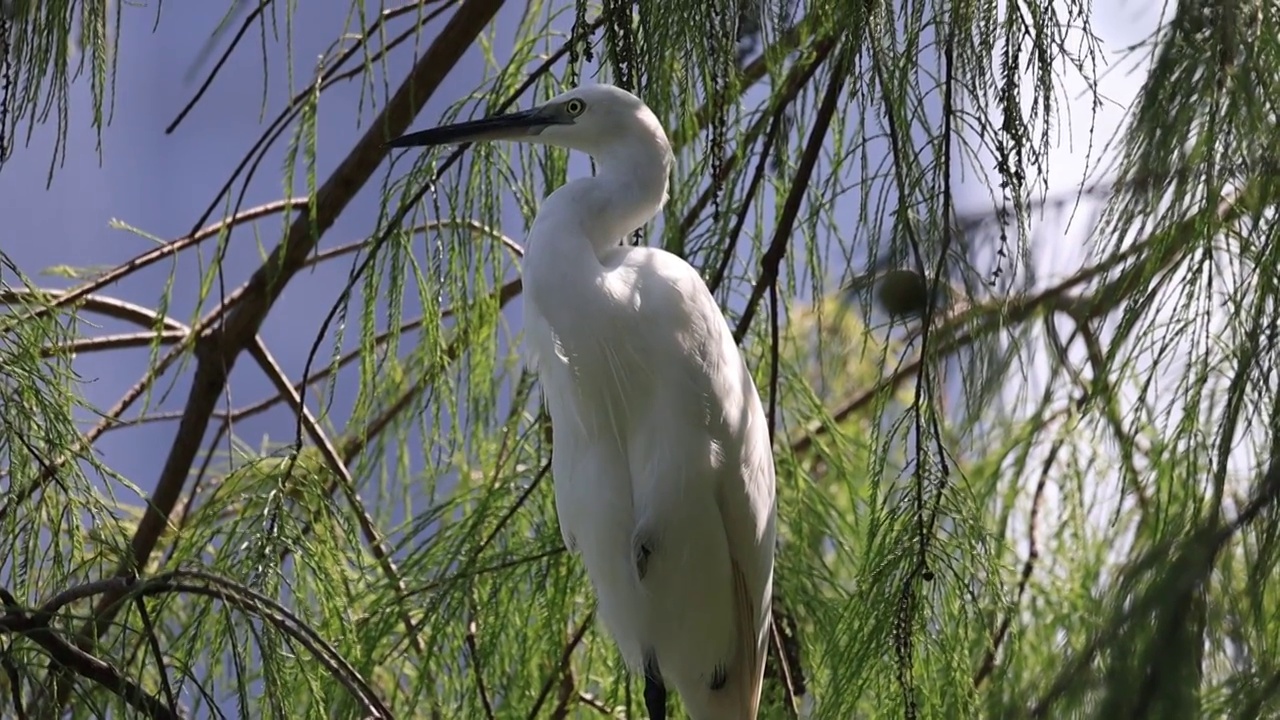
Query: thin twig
(99, 304)
(590, 701)
(356, 442)
(1028, 566)
(118, 341)
(69, 658)
(563, 666)
(226, 55)
(773, 256)
(15, 683)
(248, 600)
(276, 128)
(171, 248)
(746, 78)
(468, 574)
(748, 198)
(153, 640)
(1210, 538)
(796, 79)
(473, 659)
(975, 320)
(81, 592)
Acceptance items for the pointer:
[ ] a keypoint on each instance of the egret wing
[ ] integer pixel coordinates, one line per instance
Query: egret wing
(707, 438)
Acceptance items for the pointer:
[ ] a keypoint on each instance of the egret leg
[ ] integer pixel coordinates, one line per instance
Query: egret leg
(655, 692)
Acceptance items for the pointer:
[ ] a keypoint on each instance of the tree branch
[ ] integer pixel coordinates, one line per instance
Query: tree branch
(773, 256)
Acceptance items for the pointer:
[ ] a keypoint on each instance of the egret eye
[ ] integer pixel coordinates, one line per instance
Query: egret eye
(575, 107)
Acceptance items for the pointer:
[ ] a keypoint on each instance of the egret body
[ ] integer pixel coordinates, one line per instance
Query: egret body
(661, 458)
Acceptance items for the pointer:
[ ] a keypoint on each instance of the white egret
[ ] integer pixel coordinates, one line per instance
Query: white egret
(663, 470)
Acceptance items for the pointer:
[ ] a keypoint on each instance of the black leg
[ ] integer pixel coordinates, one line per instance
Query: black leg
(655, 692)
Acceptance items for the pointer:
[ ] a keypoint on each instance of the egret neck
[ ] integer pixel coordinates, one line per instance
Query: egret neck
(627, 191)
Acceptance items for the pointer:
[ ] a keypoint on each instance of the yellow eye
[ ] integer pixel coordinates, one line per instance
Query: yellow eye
(575, 107)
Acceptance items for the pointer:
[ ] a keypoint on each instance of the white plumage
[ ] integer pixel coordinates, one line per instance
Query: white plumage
(663, 470)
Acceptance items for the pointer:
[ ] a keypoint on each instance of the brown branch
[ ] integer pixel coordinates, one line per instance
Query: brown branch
(69, 658)
(448, 162)
(257, 152)
(473, 659)
(568, 693)
(507, 292)
(15, 683)
(563, 666)
(119, 310)
(172, 248)
(773, 256)
(216, 349)
(98, 304)
(194, 582)
(83, 592)
(591, 702)
(1028, 566)
(505, 295)
(356, 442)
(119, 341)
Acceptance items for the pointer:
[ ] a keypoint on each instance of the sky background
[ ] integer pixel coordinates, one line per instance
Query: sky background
(163, 183)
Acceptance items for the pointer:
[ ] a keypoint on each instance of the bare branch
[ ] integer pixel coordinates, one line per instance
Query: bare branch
(777, 250)
(563, 666)
(69, 658)
(174, 247)
(473, 659)
(1028, 566)
(259, 605)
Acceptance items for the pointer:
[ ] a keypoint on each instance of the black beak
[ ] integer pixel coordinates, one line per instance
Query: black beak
(512, 126)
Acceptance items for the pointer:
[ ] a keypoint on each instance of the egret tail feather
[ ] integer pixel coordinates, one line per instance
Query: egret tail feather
(751, 666)
(738, 696)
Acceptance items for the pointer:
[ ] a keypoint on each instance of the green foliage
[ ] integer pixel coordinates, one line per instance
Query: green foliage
(44, 47)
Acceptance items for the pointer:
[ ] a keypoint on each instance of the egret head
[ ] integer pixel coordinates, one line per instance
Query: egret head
(594, 119)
